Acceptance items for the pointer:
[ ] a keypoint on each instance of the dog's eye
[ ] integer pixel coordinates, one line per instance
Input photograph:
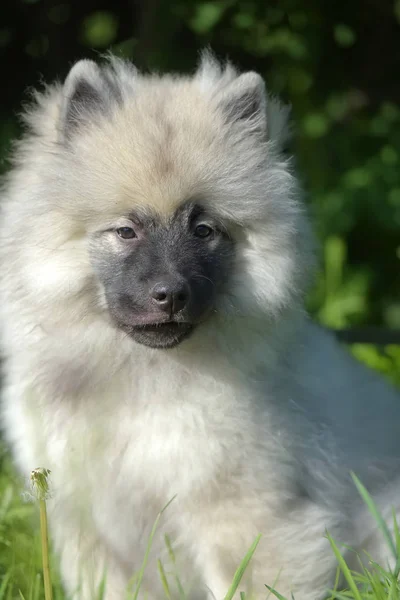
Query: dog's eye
(126, 233)
(203, 231)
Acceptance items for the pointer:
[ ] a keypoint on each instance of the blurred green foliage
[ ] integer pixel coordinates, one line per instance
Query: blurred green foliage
(338, 65)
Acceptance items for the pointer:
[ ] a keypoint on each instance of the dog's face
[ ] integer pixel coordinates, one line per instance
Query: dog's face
(167, 199)
(161, 276)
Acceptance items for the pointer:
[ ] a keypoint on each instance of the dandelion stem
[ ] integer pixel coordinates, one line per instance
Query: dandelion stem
(41, 489)
(48, 594)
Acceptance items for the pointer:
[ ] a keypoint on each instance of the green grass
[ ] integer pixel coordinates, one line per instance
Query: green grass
(21, 567)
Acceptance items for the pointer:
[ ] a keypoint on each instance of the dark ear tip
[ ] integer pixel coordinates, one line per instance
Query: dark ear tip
(84, 70)
(90, 89)
(244, 99)
(82, 92)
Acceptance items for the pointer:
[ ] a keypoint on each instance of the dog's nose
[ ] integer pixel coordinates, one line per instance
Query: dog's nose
(170, 295)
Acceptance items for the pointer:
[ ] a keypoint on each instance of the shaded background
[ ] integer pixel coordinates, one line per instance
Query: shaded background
(338, 63)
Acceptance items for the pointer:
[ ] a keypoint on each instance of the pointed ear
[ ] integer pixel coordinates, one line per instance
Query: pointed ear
(244, 99)
(87, 90)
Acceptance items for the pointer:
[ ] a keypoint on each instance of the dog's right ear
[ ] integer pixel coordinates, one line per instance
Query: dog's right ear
(244, 99)
(88, 90)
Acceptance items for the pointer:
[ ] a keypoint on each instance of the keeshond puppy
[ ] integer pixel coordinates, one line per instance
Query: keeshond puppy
(155, 257)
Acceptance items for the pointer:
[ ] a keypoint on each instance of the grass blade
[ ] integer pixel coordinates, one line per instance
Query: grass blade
(164, 580)
(37, 587)
(148, 548)
(101, 590)
(342, 596)
(171, 555)
(397, 543)
(275, 593)
(373, 509)
(345, 569)
(4, 585)
(241, 569)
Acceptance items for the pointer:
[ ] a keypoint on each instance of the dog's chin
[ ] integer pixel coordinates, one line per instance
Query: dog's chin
(160, 335)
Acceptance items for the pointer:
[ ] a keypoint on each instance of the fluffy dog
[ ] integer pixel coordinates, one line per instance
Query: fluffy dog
(155, 257)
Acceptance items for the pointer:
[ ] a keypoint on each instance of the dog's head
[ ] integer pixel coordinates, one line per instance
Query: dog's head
(176, 190)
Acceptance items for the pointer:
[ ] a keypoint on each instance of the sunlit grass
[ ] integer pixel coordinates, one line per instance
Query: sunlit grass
(24, 575)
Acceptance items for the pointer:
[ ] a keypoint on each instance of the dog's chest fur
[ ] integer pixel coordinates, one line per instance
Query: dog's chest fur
(118, 457)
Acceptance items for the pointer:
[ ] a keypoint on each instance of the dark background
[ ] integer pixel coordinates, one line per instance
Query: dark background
(338, 63)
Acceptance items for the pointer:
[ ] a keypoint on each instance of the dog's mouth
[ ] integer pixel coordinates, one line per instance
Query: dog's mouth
(163, 327)
(165, 334)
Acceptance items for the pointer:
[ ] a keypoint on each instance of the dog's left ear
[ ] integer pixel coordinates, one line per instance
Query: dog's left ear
(87, 92)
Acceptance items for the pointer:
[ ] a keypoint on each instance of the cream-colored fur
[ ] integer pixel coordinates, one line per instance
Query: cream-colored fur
(253, 423)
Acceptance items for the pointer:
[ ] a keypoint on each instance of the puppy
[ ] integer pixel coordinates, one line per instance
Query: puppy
(155, 256)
